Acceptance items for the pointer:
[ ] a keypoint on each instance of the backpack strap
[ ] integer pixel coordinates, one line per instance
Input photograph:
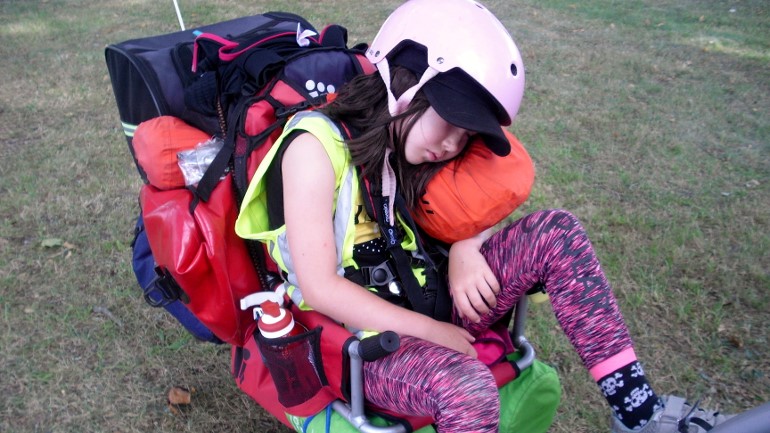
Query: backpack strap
(220, 163)
(431, 301)
(436, 289)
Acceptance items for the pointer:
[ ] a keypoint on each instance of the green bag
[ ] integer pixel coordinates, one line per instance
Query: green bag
(527, 404)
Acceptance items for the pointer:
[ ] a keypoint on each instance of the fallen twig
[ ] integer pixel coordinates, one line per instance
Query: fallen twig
(98, 309)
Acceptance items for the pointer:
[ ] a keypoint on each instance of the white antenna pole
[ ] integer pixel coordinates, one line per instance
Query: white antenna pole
(179, 15)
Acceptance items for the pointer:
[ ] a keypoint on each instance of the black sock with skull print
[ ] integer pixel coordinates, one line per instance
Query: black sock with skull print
(630, 395)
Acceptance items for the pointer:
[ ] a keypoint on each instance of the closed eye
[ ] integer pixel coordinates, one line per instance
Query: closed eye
(467, 138)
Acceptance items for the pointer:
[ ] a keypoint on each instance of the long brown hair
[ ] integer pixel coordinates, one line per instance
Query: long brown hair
(362, 105)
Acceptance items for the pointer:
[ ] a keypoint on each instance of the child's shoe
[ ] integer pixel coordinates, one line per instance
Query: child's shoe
(677, 416)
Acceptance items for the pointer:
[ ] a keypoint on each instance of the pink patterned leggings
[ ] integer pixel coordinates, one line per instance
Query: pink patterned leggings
(547, 247)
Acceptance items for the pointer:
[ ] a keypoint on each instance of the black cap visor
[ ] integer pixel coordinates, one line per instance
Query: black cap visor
(459, 100)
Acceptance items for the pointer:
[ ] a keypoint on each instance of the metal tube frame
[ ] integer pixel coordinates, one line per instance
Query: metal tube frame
(353, 412)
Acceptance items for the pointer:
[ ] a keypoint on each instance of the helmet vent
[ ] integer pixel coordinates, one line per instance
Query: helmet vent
(514, 69)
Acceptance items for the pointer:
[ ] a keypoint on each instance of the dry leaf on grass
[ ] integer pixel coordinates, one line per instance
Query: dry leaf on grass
(735, 341)
(179, 395)
(179, 399)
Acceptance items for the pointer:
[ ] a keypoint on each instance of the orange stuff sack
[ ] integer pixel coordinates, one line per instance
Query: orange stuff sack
(156, 144)
(475, 192)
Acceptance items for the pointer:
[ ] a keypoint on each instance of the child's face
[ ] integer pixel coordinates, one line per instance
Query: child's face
(433, 139)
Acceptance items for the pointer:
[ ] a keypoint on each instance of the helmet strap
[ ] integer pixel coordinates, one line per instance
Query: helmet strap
(398, 106)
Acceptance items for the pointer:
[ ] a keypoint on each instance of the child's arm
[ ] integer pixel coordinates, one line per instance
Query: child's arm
(309, 183)
(472, 283)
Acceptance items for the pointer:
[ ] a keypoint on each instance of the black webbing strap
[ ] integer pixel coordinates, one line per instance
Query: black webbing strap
(436, 290)
(221, 162)
(683, 424)
(373, 201)
(700, 423)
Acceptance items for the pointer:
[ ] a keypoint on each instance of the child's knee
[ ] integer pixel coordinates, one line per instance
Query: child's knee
(475, 381)
(472, 398)
(557, 219)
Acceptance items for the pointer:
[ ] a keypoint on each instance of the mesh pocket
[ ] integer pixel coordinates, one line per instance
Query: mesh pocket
(294, 364)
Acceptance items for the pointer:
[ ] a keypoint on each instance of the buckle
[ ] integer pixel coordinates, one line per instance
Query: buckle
(379, 275)
(163, 289)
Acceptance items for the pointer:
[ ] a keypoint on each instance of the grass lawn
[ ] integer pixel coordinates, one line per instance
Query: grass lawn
(648, 120)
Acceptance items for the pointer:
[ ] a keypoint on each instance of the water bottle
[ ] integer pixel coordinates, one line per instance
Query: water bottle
(289, 361)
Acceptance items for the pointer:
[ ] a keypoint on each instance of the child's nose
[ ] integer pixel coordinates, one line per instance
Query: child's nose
(451, 144)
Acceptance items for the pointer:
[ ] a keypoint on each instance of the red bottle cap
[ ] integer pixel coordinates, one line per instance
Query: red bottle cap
(275, 322)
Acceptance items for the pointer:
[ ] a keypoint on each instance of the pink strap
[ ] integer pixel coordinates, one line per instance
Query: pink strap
(226, 44)
(225, 53)
(398, 106)
(226, 56)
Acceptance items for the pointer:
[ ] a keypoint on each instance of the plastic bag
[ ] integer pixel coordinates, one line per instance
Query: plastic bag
(195, 162)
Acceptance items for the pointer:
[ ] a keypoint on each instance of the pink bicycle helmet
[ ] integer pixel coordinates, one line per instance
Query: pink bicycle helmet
(469, 66)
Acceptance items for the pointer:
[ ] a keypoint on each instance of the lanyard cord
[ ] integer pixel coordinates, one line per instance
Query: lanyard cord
(374, 200)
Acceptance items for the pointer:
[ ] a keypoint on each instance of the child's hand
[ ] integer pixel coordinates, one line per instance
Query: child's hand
(472, 283)
(453, 337)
